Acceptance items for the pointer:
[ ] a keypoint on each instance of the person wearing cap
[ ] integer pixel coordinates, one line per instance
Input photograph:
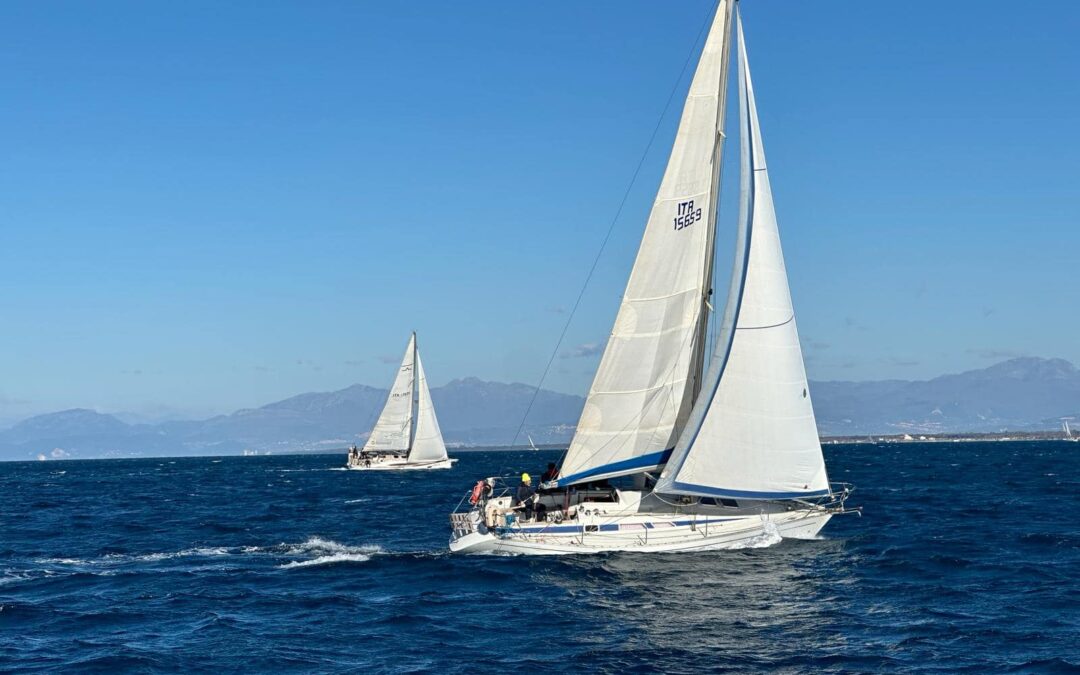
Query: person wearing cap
(526, 495)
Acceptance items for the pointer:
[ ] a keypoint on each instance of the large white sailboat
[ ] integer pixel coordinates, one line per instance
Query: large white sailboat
(717, 450)
(407, 434)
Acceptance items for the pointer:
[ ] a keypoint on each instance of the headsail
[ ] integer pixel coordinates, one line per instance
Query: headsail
(644, 388)
(428, 442)
(393, 430)
(754, 435)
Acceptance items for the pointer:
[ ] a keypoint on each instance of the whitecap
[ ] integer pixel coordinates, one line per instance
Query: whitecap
(327, 560)
(318, 545)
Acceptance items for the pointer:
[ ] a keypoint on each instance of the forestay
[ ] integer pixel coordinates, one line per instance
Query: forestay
(756, 435)
(393, 430)
(428, 442)
(644, 388)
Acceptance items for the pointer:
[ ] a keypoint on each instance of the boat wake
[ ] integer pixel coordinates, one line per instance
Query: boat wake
(312, 551)
(328, 552)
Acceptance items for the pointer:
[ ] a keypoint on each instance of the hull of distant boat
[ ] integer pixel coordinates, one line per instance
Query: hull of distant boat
(403, 465)
(656, 533)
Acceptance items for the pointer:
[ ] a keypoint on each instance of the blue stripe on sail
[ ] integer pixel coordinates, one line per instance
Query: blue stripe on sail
(746, 494)
(641, 462)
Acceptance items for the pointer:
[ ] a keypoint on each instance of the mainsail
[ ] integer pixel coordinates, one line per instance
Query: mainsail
(753, 433)
(428, 442)
(649, 374)
(393, 431)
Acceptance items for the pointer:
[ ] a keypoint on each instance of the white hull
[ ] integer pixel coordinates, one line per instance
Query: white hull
(605, 527)
(396, 464)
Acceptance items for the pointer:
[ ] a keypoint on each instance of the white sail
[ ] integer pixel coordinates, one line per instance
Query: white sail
(394, 429)
(428, 442)
(647, 378)
(756, 436)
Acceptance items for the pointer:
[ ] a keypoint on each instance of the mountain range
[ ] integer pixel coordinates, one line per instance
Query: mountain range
(1020, 394)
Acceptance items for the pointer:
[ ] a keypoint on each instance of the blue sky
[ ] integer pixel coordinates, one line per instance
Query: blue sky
(206, 206)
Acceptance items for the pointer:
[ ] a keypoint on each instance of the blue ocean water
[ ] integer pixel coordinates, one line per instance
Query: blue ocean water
(967, 557)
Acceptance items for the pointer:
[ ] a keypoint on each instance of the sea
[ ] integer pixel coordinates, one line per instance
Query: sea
(966, 558)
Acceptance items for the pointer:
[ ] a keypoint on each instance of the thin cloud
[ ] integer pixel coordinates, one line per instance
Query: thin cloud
(995, 354)
(902, 362)
(354, 363)
(583, 351)
(557, 309)
(388, 359)
(852, 322)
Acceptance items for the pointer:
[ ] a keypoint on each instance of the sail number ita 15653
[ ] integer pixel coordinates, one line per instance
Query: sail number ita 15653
(687, 215)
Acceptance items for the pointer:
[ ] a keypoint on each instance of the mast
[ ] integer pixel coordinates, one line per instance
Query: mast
(427, 443)
(707, 305)
(414, 405)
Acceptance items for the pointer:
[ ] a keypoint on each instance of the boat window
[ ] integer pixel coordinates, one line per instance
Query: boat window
(711, 501)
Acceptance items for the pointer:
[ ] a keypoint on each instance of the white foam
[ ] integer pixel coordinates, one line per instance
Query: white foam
(355, 501)
(318, 545)
(312, 551)
(327, 560)
(770, 536)
(326, 552)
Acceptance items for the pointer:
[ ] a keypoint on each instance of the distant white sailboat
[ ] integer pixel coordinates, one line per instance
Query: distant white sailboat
(720, 455)
(1069, 436)
(407, 434)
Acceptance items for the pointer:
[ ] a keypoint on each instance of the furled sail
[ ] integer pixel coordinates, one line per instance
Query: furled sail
(393, 430)
(428, 442)
(647, 379)
(753, 433)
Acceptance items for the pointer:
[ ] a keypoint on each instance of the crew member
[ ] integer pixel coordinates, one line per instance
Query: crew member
(551, 474)
(526, 495)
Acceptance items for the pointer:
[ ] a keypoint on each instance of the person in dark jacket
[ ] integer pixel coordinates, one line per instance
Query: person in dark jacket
(551, 474)
(526, 495)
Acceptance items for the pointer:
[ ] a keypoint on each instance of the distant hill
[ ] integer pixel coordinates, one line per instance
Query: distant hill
(470, 412)
(1020, 394)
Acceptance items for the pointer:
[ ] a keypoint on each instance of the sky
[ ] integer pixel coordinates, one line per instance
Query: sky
(206, 206)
